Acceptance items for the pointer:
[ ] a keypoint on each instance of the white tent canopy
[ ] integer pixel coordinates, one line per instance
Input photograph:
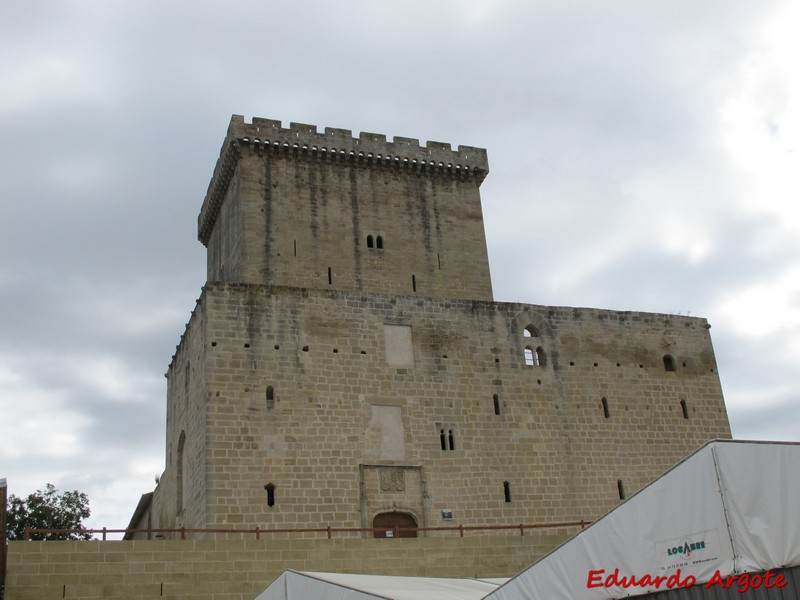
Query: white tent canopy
(297, 585)
(729, 508)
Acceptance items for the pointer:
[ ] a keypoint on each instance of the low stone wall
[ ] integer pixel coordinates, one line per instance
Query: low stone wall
(227, 569)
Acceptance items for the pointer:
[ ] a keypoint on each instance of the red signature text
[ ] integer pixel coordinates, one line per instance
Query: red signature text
(613, 579)
(741, 583)
(747, 581)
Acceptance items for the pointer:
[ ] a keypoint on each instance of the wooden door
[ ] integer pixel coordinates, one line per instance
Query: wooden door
(385, 524)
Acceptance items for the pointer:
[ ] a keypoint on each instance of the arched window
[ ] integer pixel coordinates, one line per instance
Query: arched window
(379, 243)
(369, 241)
(539, 357)
(179, 478)
(447, 438)
(529, 358)
(669, 363)
(685, 409)
(270, 488)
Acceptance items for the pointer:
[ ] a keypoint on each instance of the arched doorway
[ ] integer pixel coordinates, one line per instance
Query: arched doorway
(385, 524)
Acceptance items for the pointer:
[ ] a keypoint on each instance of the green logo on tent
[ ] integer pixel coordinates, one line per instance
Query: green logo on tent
(686, 549)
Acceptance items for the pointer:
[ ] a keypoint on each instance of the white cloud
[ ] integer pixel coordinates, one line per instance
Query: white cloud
(761, 121)
(765, 309)
(38, 423)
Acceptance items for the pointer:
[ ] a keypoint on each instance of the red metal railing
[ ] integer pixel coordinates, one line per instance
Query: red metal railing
(329, 531)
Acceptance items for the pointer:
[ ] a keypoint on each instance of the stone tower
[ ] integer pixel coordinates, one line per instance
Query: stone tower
(346, 364)
(292, 207)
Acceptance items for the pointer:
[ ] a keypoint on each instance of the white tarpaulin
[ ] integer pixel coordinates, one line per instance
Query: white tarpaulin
(761, 490)
(731, 507)
(297, 585)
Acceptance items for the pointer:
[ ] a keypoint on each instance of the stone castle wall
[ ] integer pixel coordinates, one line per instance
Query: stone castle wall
(180, 496)
(343, 402)
(241, 569)
(346, 359)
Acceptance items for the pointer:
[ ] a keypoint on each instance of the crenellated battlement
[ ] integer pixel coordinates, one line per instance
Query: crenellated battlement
(303, 141)
(300, 137)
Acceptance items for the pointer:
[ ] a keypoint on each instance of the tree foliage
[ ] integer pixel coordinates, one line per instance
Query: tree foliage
(48, 509)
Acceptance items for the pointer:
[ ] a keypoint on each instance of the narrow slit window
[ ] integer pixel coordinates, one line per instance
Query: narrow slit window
(507, 491)
(606, 413)
(496, 399)
(295, 247)
(270, 488)
(620, 489)
(330, 277)
(186, 381)
(270, 397)
(443, 439)
(685, 409)
(451, 439)
(180, 481)
(414, 282)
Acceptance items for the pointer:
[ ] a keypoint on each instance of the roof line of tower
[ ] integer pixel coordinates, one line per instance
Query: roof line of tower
(303, 141)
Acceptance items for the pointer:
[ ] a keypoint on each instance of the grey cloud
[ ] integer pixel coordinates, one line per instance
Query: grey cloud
(114, 115)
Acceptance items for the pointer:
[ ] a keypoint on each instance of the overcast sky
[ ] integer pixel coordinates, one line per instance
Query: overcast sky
(644, 156)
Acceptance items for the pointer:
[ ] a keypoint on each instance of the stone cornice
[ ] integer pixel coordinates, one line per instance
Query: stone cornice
(300, 141)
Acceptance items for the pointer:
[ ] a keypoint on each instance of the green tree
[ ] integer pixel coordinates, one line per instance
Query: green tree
(48, 509)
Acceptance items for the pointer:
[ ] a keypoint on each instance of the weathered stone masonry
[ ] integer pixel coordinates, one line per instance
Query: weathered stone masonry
(346, 358)
(297, 208)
